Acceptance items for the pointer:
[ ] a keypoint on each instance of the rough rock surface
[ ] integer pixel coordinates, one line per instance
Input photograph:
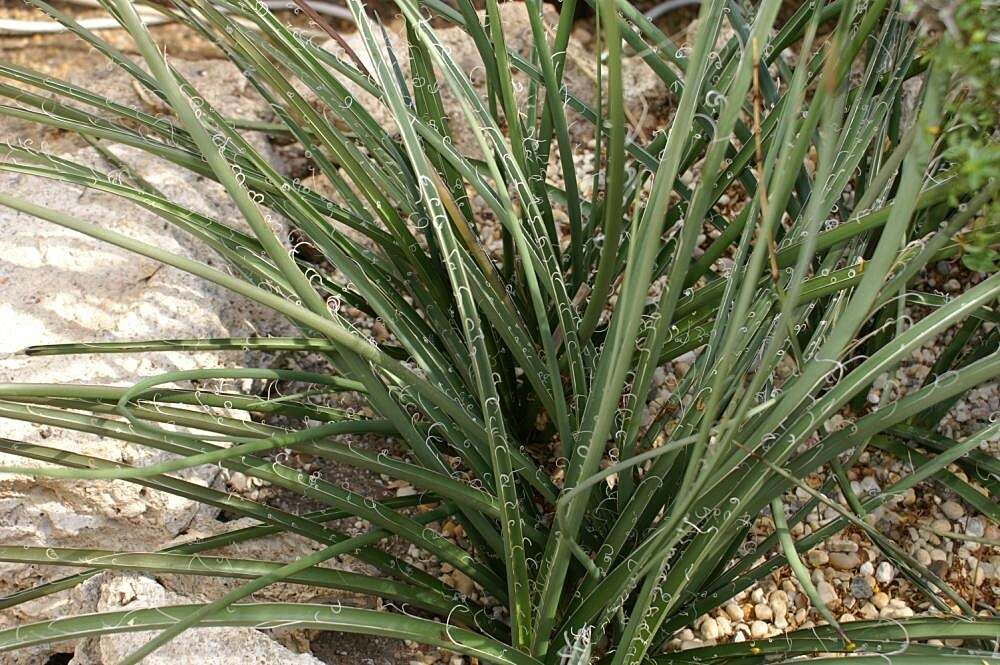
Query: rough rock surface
(281, 547)
(211, 646)
(61, 286)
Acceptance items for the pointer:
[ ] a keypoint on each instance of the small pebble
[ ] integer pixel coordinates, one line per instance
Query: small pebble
(734, 611)
(844, 561)
(710, 629)
(885, 573)
(844, 546)
(975, 527)
(896, 613)
(868, 611)
(817, 558)
(763, 612)
(463, 582)
(238, 481)
(860, 588)
(869, 486)
(826, 592)
(941, 525)
(953, 510)
(758, 629)
(939, 568)
(880, 600)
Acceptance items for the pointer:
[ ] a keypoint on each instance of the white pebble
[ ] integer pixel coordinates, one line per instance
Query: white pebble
(709, 629)
(763, 612)
(779, 607)
(734, 611)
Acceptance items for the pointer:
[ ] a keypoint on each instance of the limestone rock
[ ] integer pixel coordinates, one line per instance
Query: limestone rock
(61, 286)
(206, 646)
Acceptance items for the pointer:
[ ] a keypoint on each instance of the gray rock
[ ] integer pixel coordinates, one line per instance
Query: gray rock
(860, 588)
(870, 486)
(939, 568)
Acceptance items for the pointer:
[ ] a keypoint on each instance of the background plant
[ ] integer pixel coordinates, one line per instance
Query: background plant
(519, 380)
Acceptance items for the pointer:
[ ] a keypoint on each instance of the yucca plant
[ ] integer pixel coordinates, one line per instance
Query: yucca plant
(519, 378)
